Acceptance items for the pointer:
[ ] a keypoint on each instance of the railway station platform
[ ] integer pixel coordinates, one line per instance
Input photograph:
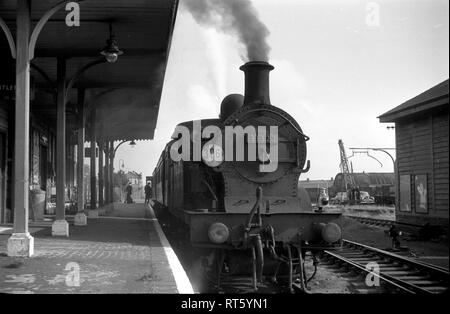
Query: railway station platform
(124, 251)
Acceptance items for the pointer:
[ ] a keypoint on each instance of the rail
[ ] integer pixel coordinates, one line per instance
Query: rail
(425, 266)
(362, 269)
(399, 272)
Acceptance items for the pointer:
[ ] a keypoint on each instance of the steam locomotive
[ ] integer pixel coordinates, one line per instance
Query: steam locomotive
(253, 221)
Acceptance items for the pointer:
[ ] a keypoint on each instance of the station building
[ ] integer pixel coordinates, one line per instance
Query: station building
(422, 142)
(71, 89)
(136, 184)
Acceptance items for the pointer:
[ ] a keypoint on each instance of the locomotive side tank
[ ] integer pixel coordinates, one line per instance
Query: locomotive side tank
(247, 210)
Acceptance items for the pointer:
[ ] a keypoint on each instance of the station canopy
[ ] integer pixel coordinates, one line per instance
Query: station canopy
(125, 94)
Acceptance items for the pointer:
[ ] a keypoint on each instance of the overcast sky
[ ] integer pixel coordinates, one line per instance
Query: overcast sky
(334, 73)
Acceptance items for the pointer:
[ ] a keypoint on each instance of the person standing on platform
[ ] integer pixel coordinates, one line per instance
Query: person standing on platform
(129, 190)
(148, 193)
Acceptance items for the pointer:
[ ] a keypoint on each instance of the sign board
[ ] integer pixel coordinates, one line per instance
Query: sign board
(8, 83)
(421, 193)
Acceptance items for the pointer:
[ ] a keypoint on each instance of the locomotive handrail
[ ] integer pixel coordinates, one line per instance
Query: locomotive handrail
(211, 190)
(308, 165)
(255, 208)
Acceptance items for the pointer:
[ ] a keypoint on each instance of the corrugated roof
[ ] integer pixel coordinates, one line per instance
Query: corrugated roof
(432, 98)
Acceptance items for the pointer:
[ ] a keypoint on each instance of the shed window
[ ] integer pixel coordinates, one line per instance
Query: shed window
(405, 193)
(421, 193)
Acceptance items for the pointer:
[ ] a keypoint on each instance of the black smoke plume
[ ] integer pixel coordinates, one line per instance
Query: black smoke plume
(235, 17)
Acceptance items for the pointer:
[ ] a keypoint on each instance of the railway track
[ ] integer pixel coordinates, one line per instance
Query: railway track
(395, 273)
(408, 230)
(382, 222)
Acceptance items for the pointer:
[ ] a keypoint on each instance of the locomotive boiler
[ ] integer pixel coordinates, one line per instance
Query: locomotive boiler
(241, 200)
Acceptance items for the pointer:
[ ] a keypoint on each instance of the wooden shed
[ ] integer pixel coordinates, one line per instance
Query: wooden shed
(422, 141)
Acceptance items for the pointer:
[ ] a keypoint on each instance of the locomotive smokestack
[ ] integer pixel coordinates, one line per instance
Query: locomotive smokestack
(256, 82)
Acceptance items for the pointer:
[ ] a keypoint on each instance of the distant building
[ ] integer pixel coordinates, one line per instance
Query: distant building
(421, 134)
(136, 182)
(134, 178)
(312, 187)
(380, 185)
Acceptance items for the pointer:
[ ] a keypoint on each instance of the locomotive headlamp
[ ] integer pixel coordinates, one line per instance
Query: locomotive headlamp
(331, 232)
(218, 233)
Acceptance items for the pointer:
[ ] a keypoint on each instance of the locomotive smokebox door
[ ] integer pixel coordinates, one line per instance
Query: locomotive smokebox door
(269, 149)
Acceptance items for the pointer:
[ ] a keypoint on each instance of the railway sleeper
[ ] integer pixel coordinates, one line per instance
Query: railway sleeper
(437, 289)
(361, 256)
(395, 273)
(365, 258)
(384, 269)
(350, 253)
(384, 287)
(379, 262)
(425, 283)
(373, 258)
(407, 277)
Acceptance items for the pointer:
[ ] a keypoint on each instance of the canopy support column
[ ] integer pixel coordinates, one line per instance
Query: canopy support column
(21, 243)
(92, 212)
(107, 174)
(80, 217)
(100, 174)
(111, 167)
(60, 227)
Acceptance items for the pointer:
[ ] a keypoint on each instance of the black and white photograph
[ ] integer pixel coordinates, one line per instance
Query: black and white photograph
(221, 155)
